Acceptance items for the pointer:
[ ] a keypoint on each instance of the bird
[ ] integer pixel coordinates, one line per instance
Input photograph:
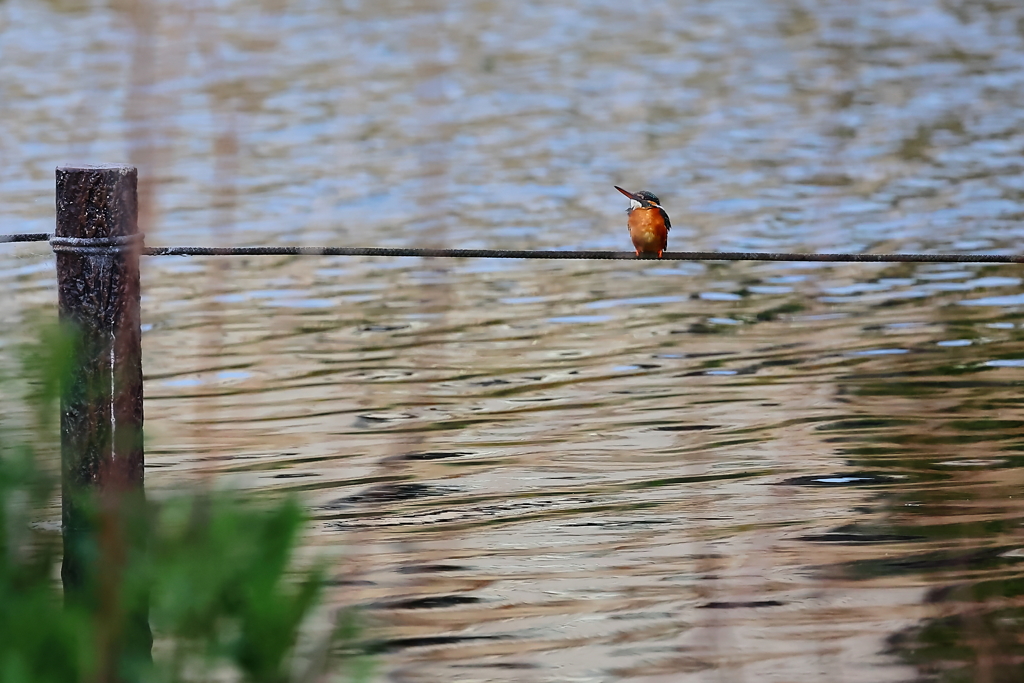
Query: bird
(648, 223)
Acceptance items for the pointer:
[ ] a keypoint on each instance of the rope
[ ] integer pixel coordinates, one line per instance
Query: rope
(92, 246)
(579, 255)
(28, 237)
(96, 245)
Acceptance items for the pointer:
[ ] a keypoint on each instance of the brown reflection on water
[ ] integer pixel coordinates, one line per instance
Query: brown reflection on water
(955, 527)
(578, 471)
(626, 479)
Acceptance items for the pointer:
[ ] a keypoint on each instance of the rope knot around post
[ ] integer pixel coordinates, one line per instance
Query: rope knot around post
(97, 246)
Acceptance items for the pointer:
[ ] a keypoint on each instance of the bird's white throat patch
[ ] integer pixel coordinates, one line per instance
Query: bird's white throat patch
(634, 204)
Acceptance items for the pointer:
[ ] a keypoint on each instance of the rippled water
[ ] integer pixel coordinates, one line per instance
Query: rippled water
(578, 471)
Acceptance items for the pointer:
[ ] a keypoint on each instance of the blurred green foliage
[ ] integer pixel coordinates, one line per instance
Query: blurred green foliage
(215, 571)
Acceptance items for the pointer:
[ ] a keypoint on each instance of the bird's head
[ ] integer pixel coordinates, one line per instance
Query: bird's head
(641, 200)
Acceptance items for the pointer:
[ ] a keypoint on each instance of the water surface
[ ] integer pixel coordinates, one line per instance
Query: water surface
(578, 471)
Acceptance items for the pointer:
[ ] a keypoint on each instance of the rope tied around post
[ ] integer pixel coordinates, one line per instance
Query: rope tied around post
(100, 246)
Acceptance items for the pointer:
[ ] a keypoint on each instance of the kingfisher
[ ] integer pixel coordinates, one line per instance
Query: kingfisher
(648, 223)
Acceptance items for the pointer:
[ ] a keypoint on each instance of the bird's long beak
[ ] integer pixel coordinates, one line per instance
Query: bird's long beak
(628, 194)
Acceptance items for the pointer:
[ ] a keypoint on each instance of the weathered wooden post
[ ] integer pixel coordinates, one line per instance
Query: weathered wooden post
(97, 244)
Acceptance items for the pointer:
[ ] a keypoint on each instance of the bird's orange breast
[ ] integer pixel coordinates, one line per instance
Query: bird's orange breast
(648, 231)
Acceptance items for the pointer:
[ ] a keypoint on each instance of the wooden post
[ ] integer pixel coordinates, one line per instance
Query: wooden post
(97, 245)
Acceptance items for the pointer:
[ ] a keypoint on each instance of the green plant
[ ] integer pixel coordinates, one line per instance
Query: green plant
(215, 573)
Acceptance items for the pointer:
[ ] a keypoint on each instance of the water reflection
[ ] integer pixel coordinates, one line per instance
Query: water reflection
(578, 471)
